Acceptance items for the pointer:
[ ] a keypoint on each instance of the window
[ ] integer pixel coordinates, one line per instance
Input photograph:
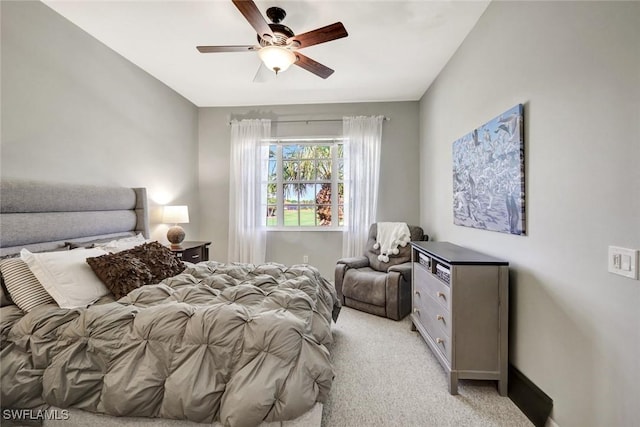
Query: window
(305, 184)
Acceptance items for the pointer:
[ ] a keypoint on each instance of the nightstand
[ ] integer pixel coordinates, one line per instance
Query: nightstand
(193, 251)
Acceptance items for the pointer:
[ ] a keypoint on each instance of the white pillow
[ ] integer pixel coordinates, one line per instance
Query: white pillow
(66, 276)
(120, 245)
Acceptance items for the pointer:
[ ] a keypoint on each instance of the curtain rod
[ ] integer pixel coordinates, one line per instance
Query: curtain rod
(386, 119)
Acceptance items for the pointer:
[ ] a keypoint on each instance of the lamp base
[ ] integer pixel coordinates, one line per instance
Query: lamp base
(175, 236)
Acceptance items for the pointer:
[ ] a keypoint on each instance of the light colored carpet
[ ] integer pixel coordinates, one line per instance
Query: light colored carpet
(385, 375)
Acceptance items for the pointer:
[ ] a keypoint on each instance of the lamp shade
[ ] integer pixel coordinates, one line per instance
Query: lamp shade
(175, 215)
(277, 58)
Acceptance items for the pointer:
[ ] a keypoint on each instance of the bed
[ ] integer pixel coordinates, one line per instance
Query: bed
(222, 344)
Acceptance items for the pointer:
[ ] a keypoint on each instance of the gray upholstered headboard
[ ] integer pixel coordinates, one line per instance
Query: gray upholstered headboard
(41, 216)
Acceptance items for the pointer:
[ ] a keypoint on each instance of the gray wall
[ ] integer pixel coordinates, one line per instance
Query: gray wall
(575, 328)
(75, 111)
(399, 184)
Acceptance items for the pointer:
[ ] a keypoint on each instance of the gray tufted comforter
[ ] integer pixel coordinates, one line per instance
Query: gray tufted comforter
(232, 342)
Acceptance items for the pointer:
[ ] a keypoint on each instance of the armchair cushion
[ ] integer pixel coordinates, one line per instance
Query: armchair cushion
(366, 285)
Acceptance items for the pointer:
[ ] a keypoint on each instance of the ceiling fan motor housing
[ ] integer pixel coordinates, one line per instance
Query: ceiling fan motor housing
(282, 33)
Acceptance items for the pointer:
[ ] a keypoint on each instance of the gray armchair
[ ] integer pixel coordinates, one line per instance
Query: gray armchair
(373, 286)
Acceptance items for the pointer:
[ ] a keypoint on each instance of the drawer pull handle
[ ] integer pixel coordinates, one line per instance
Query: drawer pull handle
(440, 317)
(440, 294)
(439, 340)
(418, 293)
(415, 310)
(195, 256)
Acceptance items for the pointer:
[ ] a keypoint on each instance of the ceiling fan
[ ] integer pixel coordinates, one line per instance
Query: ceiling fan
(278, 45)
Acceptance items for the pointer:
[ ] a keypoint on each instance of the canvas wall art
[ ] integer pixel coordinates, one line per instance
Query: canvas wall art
(488, 175)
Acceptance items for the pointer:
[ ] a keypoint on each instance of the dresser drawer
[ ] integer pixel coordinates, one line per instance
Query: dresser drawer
(434, 329)
(439, 315)
(432, 286)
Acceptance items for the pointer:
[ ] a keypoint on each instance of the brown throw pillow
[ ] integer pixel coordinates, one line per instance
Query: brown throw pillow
(160, 260)
(120, 272)
(146, 264)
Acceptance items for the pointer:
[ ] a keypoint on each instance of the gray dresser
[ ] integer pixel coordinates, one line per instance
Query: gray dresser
(460, 307)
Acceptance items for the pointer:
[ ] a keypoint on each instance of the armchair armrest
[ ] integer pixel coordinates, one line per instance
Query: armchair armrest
(355, 262)
(404, 269)
(398, 290)
(344, 264)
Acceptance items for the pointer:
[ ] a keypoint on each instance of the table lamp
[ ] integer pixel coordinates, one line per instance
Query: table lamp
(175, 215)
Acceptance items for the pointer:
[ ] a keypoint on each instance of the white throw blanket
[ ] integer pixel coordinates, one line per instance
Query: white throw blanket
(390, 236)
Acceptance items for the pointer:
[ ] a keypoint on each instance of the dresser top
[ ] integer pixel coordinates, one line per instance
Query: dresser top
(454, 254)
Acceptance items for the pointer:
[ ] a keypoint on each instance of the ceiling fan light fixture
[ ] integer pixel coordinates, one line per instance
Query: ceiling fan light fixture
(277, 58)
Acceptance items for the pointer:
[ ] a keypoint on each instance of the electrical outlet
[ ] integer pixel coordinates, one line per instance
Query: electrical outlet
(305, 259)
(623, 261)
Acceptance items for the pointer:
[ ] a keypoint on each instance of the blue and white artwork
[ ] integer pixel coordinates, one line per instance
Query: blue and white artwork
(488, 175)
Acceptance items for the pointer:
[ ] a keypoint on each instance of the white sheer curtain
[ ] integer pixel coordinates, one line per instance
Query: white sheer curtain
(247, 227)
(363, 137)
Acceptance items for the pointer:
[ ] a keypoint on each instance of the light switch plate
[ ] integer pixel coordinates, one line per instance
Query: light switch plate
(623, 261)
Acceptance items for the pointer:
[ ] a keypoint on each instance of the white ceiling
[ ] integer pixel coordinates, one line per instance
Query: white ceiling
(394, 50)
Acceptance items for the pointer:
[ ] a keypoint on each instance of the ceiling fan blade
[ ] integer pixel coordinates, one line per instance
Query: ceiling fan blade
(321, 35)
(213, 49)
(263, 75)
(252, 14)
(312, 66)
